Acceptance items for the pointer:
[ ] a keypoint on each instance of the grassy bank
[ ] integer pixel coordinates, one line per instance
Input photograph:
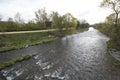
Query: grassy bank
(16, 41)
(111, 31)
(14, 61)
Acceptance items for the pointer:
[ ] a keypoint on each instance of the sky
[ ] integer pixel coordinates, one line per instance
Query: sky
(81, 9)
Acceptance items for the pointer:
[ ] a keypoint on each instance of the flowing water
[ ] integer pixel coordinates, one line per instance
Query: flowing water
(80, 56)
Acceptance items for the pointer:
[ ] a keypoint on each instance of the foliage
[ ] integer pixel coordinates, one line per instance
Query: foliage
(69, 20)
(62, 22)
(115, 6)
(12, 26)
(41, 15)
(82, 24)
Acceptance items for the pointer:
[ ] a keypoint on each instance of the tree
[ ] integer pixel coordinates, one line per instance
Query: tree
(82, 24)
(10, 19)
(57, 22)
(19, 20)
(41, 16)
(113, 18)
(114, 5)
(69, 20)
(55, 18)
(110, 19)
(0, 17)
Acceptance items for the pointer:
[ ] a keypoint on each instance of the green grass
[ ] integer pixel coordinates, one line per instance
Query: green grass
(14, 61)
(114, 44)
(116, 62)
(16, 41)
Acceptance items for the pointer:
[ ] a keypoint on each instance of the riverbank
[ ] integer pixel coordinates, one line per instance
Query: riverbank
(17, 41)
(21, 39)
(14, 61)
(113, 47)
(116, 57)
(112, 32)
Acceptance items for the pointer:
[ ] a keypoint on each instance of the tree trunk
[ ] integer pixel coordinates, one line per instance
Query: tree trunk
(116, 20)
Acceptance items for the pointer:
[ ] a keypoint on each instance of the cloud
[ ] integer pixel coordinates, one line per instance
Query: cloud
(87, 9)
(4, 1)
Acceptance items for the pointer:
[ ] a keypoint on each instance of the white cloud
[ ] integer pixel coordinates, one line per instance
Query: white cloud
(83, 9)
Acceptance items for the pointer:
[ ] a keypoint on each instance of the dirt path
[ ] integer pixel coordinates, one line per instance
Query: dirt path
(18, 32)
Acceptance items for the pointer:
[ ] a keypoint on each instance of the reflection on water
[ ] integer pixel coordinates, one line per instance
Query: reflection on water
(91, 29)
(76, 57)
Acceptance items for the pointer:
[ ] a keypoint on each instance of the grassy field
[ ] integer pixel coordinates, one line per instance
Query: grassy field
(17, 41)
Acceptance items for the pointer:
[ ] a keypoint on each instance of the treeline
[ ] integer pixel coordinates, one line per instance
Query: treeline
(42, 20)
(111, 26)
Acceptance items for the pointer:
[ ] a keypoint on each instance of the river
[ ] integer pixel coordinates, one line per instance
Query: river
(81, 56)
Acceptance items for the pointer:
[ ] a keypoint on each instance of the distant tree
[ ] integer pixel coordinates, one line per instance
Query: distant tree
(82, 24)
(10, 19)
(55, 18)
(114, 5)
(31, 21)
(0, 17)
(69, 20)
(31, 24)
(19, 20)
(57, 22)
(41, 15)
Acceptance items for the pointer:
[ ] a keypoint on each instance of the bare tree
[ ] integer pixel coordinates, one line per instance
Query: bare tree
(18, 19)
(41, 15)
(114, 5)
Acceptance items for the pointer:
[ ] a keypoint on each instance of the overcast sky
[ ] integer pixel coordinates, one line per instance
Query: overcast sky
(81, 9)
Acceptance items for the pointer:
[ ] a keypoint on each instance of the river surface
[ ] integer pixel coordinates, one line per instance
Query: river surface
(80, 56)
